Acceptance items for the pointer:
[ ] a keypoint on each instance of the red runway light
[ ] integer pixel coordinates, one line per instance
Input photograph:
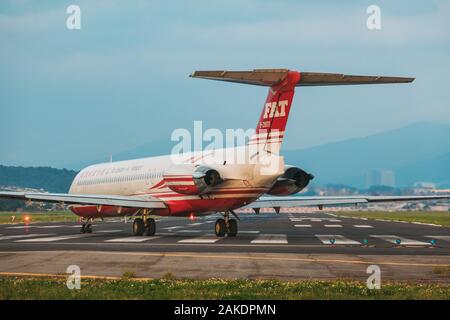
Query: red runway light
(27, 219)
(192, 216)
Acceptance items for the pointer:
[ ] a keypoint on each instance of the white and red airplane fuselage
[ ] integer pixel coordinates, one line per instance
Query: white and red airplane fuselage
(242, 184)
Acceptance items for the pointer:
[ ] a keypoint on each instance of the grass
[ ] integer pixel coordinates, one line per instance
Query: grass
(12, 287)
(441, 218)
(52, 216)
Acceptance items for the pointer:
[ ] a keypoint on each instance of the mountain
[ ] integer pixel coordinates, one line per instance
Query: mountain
(49, 179)
(418, 152)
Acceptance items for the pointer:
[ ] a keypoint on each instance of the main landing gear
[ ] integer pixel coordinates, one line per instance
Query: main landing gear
(226, 225)
(86, 227)
(144, 225)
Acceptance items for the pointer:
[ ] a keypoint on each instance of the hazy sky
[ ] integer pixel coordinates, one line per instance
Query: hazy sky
(122, 80)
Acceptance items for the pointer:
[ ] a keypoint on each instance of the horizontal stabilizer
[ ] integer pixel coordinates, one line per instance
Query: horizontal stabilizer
(271, 77)
(332, 79)
(263, 77)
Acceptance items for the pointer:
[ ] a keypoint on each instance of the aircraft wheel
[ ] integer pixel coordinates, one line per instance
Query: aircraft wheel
(150, 227)
(88, 229)
(83, 228)
(220, 228)
(138, 227)
(232, 229)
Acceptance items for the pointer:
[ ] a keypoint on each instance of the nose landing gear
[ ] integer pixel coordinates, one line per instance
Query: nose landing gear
(86, 227)
(226, 226)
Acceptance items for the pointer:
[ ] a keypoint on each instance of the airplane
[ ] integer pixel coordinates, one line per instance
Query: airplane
(213, 181)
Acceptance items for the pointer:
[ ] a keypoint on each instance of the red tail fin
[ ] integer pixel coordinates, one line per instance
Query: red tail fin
(272, 122)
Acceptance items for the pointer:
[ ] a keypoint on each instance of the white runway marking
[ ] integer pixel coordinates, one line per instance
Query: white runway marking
(52, 239)
(404, 241)
(446, 238)
(333, 226)
(249, 231)
(338, 239)
(108, 231)
(334, 220)
(48, 227)
(270, 238)
(25, 236)
(189, 231)
(362, 226)
(302, 225)
(132, 239)
(196, 224)
(202, 239)
(20, 227)
(172, 228)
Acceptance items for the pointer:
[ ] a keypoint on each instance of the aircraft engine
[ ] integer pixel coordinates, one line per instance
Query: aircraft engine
(292, 181)
(200, 181)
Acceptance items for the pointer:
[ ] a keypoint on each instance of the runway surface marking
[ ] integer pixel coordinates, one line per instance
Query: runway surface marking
(250, 231)
(20, 227)
(172, 228)
(196, 224)
(271, 238)
(333, 226)
(44, 227)
(403, 241)
(51, 239)
(302, 225)
(26, 236)
(446, 238)
(362, 226)
(189, 231)
(132, 239)
(315, 219)
(202, 239)
(335, 239)
(109, 231)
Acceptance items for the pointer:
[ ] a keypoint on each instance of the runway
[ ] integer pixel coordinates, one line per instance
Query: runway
(287, 245)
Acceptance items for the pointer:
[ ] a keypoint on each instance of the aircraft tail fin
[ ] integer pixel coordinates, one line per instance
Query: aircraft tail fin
(282, 82)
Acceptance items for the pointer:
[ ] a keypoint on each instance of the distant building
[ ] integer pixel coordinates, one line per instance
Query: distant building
(425, 185)
(380, 178)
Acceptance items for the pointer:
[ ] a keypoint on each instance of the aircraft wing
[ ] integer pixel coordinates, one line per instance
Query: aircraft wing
(146, 202)
(299, 201)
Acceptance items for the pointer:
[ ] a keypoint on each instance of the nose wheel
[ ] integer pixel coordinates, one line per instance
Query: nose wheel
(86, 227)
(226, 226)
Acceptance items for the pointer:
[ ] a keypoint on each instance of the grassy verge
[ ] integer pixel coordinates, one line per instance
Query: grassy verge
(53, 216)
(435, 217)
(125, 288)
